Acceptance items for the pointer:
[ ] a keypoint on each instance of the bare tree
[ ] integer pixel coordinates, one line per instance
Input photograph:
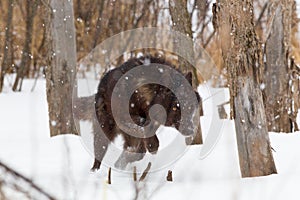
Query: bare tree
(278, 100)
(8, 52)
(60, 72)
(100, 6)
(181, 22)
(242, 56)
(23, 69)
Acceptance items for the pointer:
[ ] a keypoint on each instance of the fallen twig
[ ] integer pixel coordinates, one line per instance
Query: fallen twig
(145, 172)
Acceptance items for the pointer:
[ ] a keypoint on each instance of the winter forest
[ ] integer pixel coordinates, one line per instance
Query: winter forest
(149, 99)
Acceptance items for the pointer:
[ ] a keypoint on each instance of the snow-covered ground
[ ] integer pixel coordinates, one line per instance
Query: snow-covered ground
(61, 165)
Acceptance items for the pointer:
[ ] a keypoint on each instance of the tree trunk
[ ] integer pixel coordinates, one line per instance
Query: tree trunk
(181, 22)
(277, 98)
(24, 67)
(243, 59)
(60, 72)
(8, 51)
(252, 136)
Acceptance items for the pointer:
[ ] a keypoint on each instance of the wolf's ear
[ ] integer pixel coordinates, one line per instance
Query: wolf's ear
(189, 77)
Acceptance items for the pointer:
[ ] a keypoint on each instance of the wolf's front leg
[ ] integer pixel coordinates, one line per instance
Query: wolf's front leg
(134, 150)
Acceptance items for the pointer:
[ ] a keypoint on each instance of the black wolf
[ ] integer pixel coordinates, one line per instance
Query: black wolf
(144, 97)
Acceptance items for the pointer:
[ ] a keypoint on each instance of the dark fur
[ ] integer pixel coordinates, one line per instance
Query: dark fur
(146, 96)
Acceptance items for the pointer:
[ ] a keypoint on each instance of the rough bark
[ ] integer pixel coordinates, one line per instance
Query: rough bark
(252, 137)
(8, 52)
(181, 22)
(243, 59)
(294, 93)
(60, 72)
(277, 91)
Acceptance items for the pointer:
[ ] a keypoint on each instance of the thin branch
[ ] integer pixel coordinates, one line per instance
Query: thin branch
(209, 39)
(193, 9)
(146, 5)
(134, 174)
(258, 21)
(109, 176)
(27, 180)
(145, 172)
